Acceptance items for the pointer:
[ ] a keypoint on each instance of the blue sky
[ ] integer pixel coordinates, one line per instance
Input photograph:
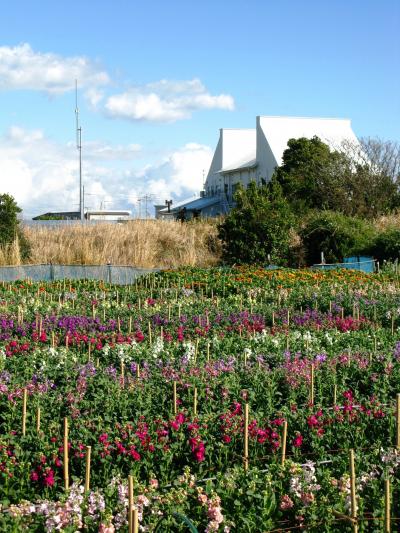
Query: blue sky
(158, 79)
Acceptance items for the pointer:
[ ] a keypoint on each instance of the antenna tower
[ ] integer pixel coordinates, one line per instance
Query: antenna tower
(79, 147)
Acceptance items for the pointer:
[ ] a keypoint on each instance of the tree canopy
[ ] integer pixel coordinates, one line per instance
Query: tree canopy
(313, 176)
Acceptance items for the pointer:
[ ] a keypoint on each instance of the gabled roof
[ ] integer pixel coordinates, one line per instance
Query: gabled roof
(278, 131)
(243, 163)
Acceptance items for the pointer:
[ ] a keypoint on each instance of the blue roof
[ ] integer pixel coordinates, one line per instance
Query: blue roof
(198, 203)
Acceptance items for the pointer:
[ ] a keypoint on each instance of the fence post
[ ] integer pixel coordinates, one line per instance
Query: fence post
(51, 271)
(109, 272)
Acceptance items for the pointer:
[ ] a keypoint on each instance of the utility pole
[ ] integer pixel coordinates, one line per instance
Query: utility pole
(168, 203)
(79, 147)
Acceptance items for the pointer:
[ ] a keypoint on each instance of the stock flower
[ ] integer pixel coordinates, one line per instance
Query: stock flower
(286, 503)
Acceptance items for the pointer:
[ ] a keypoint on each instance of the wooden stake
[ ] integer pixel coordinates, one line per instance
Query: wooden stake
(138, 370)
(135, 520)
(130, 325)
(284, 438)
(387, 505)
(312, 385)
(208, 352)
(393, 324)
(130, 504)
(122, 373)
(353, 490)
(149, 328)
(38, 420)
(246, 437)
(24, 402)
(87, 473)
(398, 421)
(334, 394)
(273, 318)
(174, 398)
(195, 401)
(66, 469)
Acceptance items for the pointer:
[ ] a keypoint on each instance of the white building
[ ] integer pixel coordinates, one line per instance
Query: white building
(244, 155)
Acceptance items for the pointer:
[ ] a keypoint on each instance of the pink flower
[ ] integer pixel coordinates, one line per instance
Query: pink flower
(286, 503)
(312, 421)
(106, 528)
(48, 479)
(298, 441)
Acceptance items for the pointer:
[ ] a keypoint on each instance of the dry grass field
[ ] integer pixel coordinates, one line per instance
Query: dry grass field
(143, 243)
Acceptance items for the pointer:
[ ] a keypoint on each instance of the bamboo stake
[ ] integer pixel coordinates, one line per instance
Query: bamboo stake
(130, 325)
(312, 385)
(87, 472)
(174, 398)
(208, 352)
(24, 402)
(66, 469)
(130, 505)
(273, 318)
(135, 520)
(149, 328)
(119, 324)
(122, 373)
(138, 370)
(284, 439)
(334, 394)
(38, 420)
(246, 437)
(393, 325)
(398, 421)
(195, 401)
(353, 490)
(387, 505)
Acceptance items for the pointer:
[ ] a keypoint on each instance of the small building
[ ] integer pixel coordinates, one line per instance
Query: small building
(59, 215)
(188, 209)
(109, 216)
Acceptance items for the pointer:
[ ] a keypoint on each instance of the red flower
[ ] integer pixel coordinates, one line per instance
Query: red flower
(298, 441)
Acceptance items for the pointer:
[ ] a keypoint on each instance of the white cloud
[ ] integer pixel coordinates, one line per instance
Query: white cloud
(165, 101)
(23, 68)
(43, 175)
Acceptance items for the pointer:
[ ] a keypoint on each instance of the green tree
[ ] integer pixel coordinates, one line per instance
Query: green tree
(10, 229)
(314, 177)
(258, 226)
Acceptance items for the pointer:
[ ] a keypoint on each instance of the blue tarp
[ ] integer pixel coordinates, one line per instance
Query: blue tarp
(364, 263)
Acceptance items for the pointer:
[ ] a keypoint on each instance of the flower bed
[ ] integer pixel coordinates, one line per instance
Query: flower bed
(155, 381)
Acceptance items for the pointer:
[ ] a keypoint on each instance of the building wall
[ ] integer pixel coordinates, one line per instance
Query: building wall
(233, 145)
(265, 158)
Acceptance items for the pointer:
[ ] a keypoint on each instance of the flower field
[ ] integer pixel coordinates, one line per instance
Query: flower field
(225, 400)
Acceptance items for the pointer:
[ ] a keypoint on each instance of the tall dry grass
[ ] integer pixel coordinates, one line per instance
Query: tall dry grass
(385, 222)
(143, 243)
(10, 254)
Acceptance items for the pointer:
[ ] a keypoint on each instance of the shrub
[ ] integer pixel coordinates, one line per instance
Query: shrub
(336, 235)
(386, 245)
(258, 227)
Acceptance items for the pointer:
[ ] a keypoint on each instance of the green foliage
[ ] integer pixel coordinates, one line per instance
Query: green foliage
(314, 177)
(386, 245)
(336, 235)
(258, 226)
(10, 229)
